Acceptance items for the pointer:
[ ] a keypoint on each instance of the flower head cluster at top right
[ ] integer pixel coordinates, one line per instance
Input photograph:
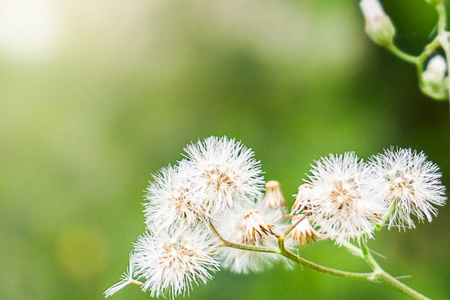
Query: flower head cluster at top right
(347, 199)
(411, 185)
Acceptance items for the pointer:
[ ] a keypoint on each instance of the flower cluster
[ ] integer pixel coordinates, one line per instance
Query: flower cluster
(218, 184)
(348, 199)
(204, 211)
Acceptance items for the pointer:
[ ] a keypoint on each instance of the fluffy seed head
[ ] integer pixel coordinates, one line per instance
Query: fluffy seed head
(342, 204)
(173, 200)
(226, 171)
(171, 263)
(411, 185)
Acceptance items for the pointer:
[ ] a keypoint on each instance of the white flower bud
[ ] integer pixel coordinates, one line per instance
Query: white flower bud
(378, 25)
(435, 71)
(273, 198)
(433, 78)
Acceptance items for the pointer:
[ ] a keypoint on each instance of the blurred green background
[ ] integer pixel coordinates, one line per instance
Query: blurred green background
(96, 96)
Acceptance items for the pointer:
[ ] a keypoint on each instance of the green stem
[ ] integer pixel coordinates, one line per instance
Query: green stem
(409, 58)
(441, 40)
(377, 274)
(368, 257)
(389, 213)
(386, 278)
(443, 36)
(442, 17)
(250, 248)
(380, 274)
(390, 210)
(429, 49)
(353, 249)
(288, 254)
(304, 262)
(295, 258)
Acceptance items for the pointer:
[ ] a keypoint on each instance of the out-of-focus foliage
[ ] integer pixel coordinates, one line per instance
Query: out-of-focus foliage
(96, 96)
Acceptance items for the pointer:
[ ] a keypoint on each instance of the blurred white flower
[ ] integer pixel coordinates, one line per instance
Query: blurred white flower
(434, 75)
(436, 68)
(233, 226)
(171, 262)
(378, 25)
(342, 203)
(411, 184)
(173, 199)
(226, 171)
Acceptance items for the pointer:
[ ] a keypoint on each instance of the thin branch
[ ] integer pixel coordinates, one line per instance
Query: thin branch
(290, 228)
(353, 249)
(295, 258)
(387, 278)
(409, 58)
(240, 246)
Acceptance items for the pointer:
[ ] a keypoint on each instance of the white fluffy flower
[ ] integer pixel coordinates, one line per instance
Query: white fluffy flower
(226, 171)
(412, 185)
(342, 203)
(242, 222)
(171, 263)
(173, 199)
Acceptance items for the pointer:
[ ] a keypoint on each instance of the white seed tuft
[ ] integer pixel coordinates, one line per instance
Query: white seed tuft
(342, 203)
(411, 185)
(226, 172)
(171, 262)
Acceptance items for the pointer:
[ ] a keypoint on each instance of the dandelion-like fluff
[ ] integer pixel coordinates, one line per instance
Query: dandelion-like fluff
(174, 199)
(170, 263)
(411, 185)
(226, 171)
(341, 203)
(208, 211)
